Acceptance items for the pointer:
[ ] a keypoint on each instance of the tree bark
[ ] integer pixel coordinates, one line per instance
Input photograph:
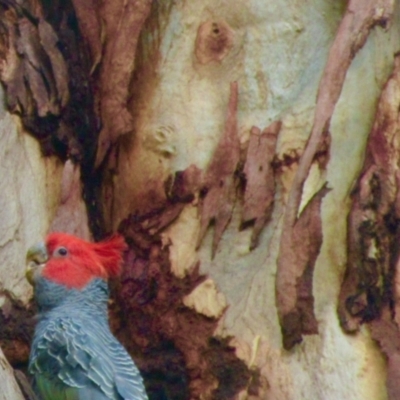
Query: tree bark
(9, 386)
(247, 151)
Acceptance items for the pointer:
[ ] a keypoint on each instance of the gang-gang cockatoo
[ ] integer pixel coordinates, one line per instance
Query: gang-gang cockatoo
(74, 356)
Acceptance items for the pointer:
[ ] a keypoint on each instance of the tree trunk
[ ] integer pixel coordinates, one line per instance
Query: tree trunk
(248, 152)
(9, 387)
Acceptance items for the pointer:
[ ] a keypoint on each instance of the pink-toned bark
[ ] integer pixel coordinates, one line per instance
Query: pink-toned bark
(260, 178)
(219, 182)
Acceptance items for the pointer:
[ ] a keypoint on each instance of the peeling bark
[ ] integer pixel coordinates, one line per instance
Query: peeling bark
(299, 250)
(169, 339)
(359, 19)
(216, 205)
(179, 191)
(371, 278)
(36, 75)
(124, 22)
(46, 76)
(55, 54)
(260, 179)
(39, 81)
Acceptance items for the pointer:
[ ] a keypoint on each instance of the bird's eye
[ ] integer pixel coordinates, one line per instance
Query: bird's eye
(61, 251)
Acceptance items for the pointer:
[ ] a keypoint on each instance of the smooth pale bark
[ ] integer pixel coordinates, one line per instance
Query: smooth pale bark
(29, 196)
(9, 387)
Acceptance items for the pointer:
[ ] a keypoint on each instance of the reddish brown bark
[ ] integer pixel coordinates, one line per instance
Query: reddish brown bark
(89, 19)
(299, 251)
(43, 70)
(34, 71)
(260, 179)
(371, 273)
(124, 21)
(167, 338)
(219, 182)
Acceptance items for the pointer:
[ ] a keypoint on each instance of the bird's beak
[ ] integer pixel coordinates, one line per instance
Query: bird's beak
(36, 257)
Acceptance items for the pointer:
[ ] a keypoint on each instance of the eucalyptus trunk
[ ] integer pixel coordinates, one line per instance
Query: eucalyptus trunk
(249, 153)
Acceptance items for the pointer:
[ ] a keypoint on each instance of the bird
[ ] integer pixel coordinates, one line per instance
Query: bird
(74, 355)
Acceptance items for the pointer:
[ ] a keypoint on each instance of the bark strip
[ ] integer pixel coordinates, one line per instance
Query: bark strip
(111, 29)
(219, 182)
(117, 68)
(294, 285)
(260, 179)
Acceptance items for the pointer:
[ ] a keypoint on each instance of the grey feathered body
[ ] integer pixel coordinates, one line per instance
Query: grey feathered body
(74, 355)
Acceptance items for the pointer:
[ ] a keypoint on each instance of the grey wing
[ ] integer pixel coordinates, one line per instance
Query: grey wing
(87, 356)
(128, 381)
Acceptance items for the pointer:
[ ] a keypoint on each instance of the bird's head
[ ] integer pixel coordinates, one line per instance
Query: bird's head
(72, 262)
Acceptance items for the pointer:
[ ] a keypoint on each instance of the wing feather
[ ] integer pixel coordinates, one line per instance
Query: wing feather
(86, 358)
